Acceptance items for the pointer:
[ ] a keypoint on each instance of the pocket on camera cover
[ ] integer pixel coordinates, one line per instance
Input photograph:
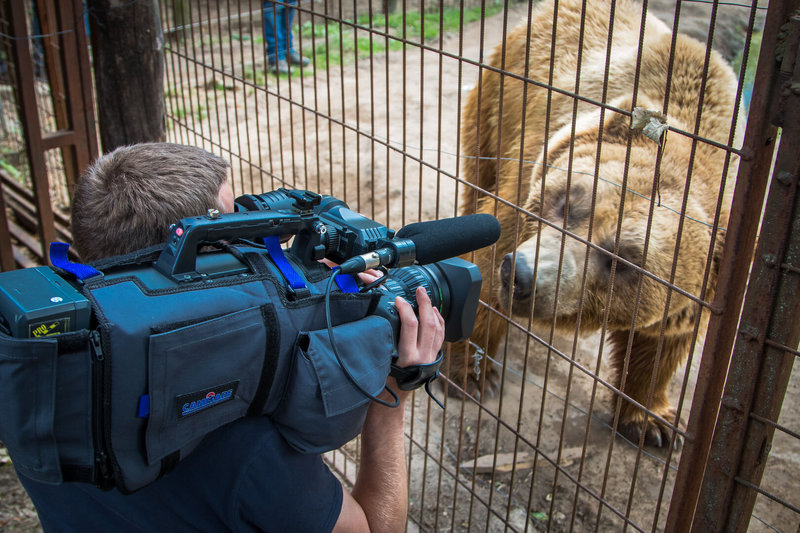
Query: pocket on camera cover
(322, 410)
(28, 373)
(201, 377)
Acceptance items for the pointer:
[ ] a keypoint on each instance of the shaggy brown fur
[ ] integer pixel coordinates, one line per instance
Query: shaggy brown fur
(577, 161)
(139, 191)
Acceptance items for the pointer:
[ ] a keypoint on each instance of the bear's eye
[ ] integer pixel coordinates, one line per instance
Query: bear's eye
(627, 252)
(578, 206)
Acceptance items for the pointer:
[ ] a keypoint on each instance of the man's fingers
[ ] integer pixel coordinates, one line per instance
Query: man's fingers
(407, 345)
(420, 337)
(431, 333)
(369, 275)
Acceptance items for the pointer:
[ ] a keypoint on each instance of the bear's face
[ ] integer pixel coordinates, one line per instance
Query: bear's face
(637, 250)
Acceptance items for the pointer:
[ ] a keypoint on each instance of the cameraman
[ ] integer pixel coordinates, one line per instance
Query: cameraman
(244, 477)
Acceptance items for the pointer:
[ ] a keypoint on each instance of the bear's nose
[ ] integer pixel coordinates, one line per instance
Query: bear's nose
(522, 273)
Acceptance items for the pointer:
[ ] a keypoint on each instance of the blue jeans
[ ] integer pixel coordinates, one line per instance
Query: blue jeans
(278, 28)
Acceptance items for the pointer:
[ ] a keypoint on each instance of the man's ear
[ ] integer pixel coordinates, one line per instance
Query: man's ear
(225, 197)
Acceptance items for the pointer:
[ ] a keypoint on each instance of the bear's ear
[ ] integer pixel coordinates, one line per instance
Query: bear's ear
(616, 126)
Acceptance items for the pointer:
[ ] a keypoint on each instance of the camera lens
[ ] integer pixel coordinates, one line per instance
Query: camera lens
(404, 282)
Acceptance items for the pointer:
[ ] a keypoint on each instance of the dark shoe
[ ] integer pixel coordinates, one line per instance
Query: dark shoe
(281, 67)
(296, 59)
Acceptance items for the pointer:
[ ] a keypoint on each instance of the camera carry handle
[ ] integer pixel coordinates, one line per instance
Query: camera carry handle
(179, 257)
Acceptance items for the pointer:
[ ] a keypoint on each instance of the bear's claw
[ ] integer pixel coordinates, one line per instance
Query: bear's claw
(656, 433)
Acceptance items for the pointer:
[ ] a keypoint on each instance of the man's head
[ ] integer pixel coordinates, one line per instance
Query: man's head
(128, 198)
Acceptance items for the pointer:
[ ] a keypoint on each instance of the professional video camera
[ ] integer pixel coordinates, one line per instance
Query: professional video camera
(114, 372)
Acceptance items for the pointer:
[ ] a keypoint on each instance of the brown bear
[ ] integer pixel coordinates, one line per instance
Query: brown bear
(605, 228)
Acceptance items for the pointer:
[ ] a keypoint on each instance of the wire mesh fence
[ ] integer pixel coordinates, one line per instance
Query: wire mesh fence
(380, 118)
(608, 148)
(11, 128)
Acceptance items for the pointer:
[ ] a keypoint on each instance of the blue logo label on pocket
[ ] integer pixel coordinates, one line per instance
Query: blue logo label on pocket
(194, 402)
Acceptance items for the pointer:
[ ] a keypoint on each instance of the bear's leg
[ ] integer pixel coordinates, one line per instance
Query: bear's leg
(465, 359)
(637, 383)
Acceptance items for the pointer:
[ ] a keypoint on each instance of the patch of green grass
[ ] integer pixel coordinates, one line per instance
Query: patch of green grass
(336, 43)
(10, 169)
(200, 113)
(257, 76)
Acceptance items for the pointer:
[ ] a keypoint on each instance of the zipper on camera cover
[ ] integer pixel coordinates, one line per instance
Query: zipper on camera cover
(98, 382)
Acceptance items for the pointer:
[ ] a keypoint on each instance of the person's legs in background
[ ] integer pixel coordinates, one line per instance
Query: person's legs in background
(275, 25)
(293, 56)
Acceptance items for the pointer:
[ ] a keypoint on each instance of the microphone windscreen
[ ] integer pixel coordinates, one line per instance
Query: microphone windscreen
(450, 237)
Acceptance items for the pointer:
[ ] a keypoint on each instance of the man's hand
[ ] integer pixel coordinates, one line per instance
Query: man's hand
(379, 501)
(420, 338)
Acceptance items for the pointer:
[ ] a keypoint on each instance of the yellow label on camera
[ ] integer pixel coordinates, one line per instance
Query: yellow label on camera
(51, 327)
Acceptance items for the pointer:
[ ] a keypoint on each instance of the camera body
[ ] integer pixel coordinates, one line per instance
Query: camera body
(322, 227)
(181, 341)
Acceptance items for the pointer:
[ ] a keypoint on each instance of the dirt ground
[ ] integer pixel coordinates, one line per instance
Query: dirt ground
(400, 172)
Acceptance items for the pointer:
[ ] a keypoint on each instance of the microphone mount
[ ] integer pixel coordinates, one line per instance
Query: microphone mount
(391, 254)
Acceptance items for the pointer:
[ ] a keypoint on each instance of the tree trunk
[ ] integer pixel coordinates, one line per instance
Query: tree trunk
(128, 51)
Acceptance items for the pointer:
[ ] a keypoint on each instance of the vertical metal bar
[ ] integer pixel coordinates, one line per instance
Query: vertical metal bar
(6, 250)
(315, 66)
(75, 82)
(88, 152)
(343, 104)
(759, 372)
(236, 101)
(292, 104)
(69, 76)
(404, 122)
(328, 21)
(33, 131)
(192, 50)
(726, 306)
(299, 16)
(421, 109)
(387, 111)
(49, 23)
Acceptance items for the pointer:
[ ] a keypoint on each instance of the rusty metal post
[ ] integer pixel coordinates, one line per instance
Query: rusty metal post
(46, 10)
(760, 371)
(760, 137)
(70, 81)
(69, 75)
(79, 91)
(6, 250)
(33, 130)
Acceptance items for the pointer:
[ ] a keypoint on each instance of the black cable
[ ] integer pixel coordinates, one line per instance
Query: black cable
(339, 358)
(380, 281)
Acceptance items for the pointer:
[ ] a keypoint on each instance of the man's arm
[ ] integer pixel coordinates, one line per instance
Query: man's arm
(379, 501)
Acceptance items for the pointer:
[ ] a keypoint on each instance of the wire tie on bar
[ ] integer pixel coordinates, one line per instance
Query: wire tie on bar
(476, 358)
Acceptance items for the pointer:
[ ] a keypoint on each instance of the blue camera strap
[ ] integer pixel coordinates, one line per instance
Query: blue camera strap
(346, 283)
(58, 256)
(276, 253)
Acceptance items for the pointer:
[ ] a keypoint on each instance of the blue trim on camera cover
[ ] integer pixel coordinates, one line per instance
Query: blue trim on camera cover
(276, 253)
(346, 282)
(58, 256)
(144, 406)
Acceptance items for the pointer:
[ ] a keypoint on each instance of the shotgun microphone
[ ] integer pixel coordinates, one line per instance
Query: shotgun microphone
(429, 242)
